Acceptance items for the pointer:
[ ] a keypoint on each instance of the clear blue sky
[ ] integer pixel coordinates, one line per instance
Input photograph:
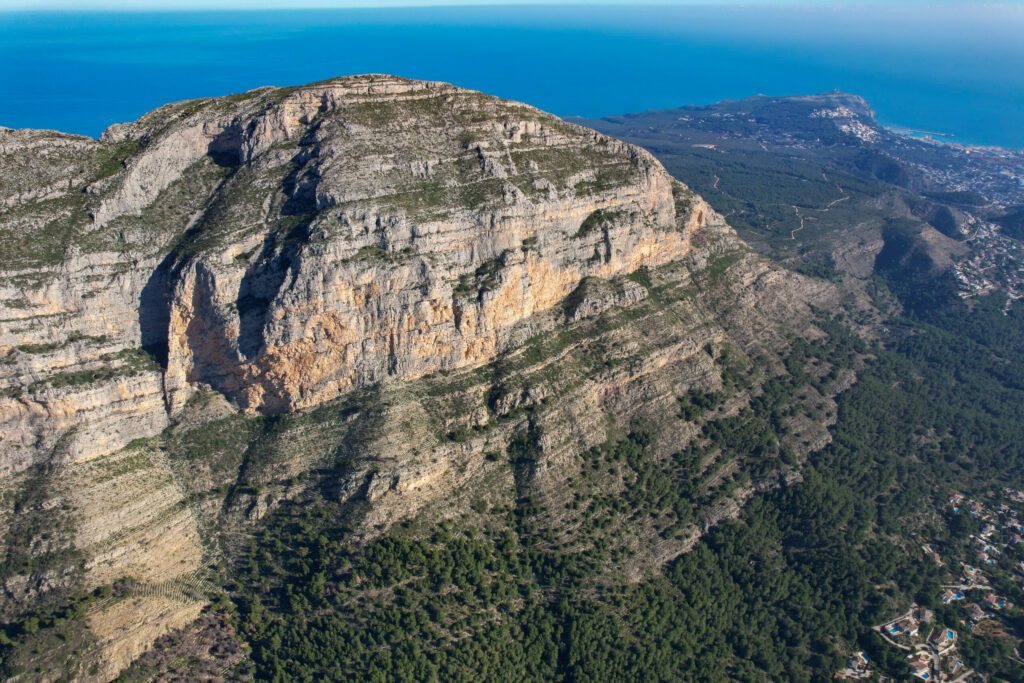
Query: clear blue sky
(267, 4)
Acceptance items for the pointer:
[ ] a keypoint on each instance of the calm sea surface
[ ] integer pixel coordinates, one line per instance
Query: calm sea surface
(958, 71)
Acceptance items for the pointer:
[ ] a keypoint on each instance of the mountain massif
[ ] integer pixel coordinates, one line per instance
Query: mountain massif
(380, 379)
(390, 296)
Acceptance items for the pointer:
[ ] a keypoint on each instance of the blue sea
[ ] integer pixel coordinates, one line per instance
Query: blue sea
(956, 70)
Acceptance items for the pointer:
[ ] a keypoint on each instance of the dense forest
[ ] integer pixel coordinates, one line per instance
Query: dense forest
(784, 592)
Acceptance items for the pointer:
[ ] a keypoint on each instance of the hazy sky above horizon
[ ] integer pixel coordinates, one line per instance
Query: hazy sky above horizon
(142, 5)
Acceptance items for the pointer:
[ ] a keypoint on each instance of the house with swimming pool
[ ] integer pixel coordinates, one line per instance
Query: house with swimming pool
(942, 640)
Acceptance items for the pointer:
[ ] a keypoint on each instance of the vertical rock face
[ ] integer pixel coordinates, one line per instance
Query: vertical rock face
(286, 246)
(73, 378)
(425, 224)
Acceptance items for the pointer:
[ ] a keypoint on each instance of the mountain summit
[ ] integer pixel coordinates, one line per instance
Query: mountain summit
(286, 246)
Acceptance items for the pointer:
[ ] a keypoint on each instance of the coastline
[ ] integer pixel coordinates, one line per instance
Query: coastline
(950, 139)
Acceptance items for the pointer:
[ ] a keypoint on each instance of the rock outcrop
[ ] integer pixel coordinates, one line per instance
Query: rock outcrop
(284, 247)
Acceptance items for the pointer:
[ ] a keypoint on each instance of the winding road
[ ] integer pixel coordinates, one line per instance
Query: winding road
(796, 209)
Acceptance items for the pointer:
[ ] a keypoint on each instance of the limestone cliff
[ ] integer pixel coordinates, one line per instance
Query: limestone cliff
(361, 288)
(286, 246)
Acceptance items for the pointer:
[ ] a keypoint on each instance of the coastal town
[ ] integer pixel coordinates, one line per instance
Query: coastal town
(984, 183)
(995, 174)
(995, 261)
(978, 608)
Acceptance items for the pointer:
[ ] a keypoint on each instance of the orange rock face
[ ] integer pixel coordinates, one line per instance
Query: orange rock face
(286, 246)
(434, 221)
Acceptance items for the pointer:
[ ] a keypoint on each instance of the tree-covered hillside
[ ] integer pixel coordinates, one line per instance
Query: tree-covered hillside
(782, 593)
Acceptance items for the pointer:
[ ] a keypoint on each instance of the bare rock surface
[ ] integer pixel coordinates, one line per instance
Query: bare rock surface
(286, 246)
